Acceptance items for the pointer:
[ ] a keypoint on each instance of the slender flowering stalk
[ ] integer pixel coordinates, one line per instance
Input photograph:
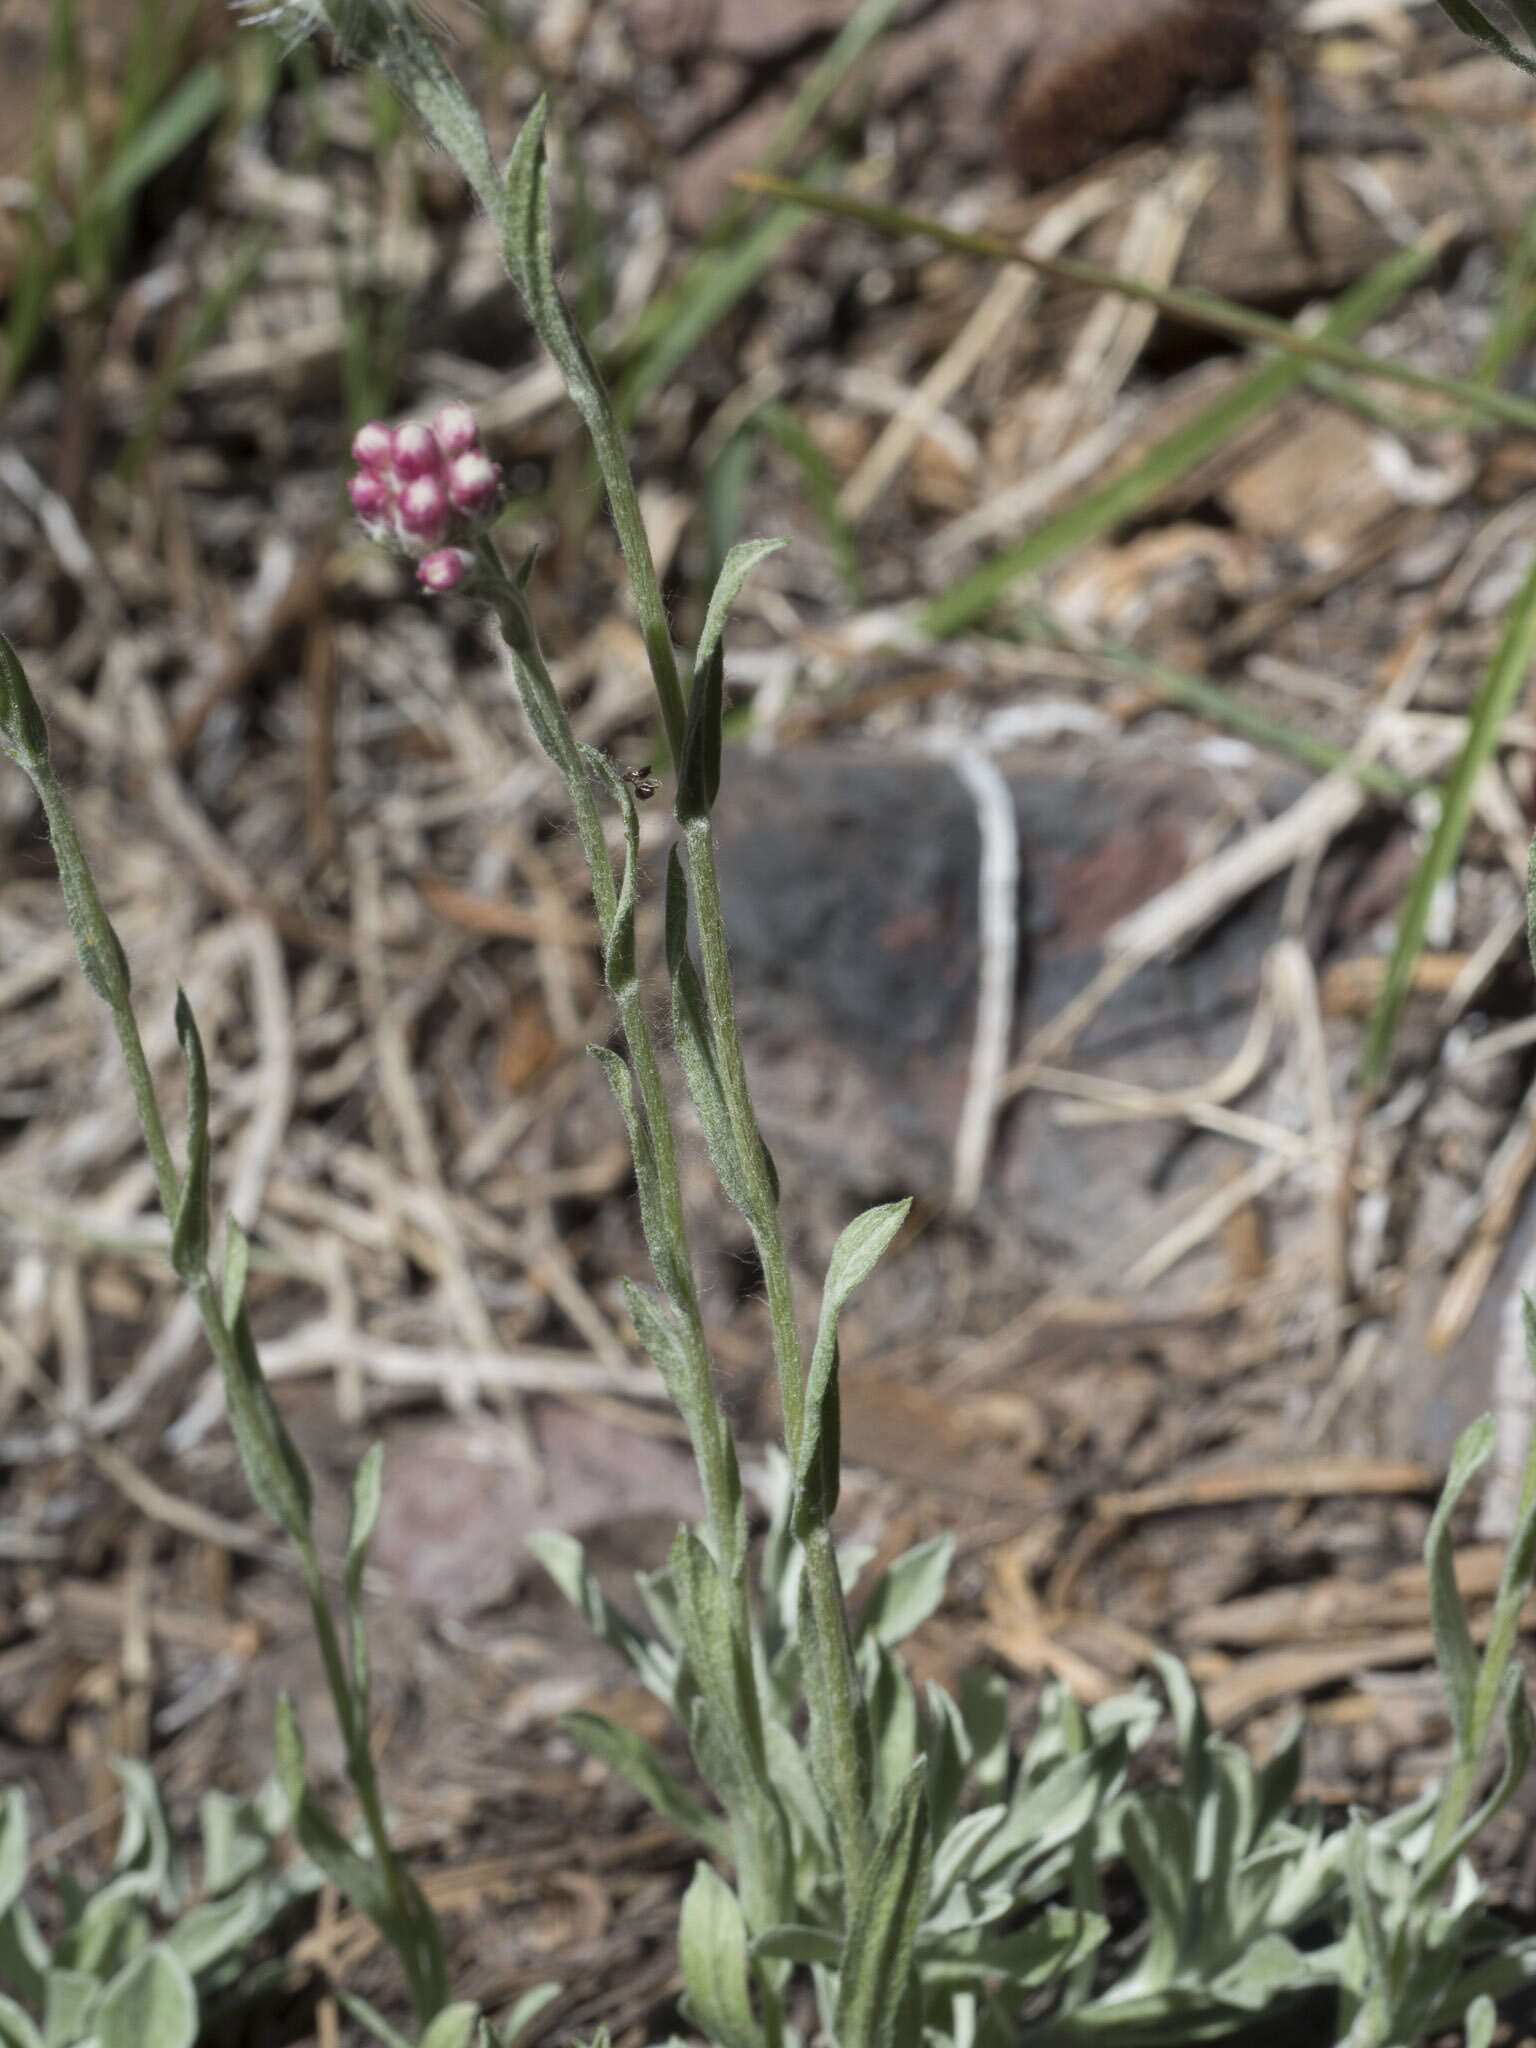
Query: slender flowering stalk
(274, 1470)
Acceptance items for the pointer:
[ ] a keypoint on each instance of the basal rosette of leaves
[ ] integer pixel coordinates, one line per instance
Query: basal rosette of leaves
(147, 1956)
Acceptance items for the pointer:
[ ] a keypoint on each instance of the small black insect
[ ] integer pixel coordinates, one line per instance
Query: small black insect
(640, 780)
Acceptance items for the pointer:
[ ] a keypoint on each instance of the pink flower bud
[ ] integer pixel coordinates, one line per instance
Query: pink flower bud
(456, 429)
(474, 483)
(372, 498)
(416, 451)
(445, 569)
(423, 510)
(372, 448)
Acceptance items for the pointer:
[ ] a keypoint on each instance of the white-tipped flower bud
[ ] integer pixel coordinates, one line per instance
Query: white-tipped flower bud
(456, 428)
(373, 448)
(372, 498)
(422, 513)
(444, 569)
(474, 484)
(416, 452)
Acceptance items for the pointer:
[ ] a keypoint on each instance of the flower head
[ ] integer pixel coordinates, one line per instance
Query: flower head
(426, 490)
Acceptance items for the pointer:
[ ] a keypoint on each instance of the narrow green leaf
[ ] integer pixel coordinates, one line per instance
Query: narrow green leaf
(237, 1261)
(367, 1499)
(735, 570)
(149, 2004)
(217, 1928)
(1214, 702)
(1481, 2022)
(882, 1934)
(1365, 1907)
(894, 1725)
(25, 1957)
(144, 1843)
(805, 451)
(1053, 1944)
(1199, 309)
(670, 1270)
(1156, 1834)
(566, 1562)
(23, 732)
(635, 1760)
(354, 1876)
(454, 2027)
(1500, 691)
(619, 954)
(14, 1843)
(718, 1661)
(799, 1944)
(1454, 1652)
(102, 959)
(360, 2010)
(416, 68)
(274, 1471)
(718, 280)
(1473, 22)
(195, 103)
(854, 1258)
(695, 1045)
(698, 772)
(904, 1596)
(70, 1999)
(663, 1343)
(189, 1226)
(524, 2011)
(530, 263)
(712, 1949)
(16, 2029)
(1519, 1742)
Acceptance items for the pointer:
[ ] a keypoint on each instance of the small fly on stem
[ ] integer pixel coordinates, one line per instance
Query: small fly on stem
(640, 780)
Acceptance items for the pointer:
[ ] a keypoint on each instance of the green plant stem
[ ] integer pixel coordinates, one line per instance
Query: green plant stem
(850, 1789)
(426, 1998)
(73, 866)
(106, 969)
(548, 718)
(635, 542)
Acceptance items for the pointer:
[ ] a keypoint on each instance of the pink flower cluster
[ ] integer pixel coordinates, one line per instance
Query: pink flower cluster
(426, 490)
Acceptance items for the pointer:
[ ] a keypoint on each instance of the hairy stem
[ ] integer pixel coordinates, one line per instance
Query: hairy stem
(834, 1636)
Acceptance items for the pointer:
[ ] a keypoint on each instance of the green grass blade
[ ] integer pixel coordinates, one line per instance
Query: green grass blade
(1211, 701)
(1473, 22)
(805, 451)
(198, 100)
(715, 284)
(867, 24)
(211, 312)
(1171, 459)
(1194, 308)
(1500, 689)
(1515, 316)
